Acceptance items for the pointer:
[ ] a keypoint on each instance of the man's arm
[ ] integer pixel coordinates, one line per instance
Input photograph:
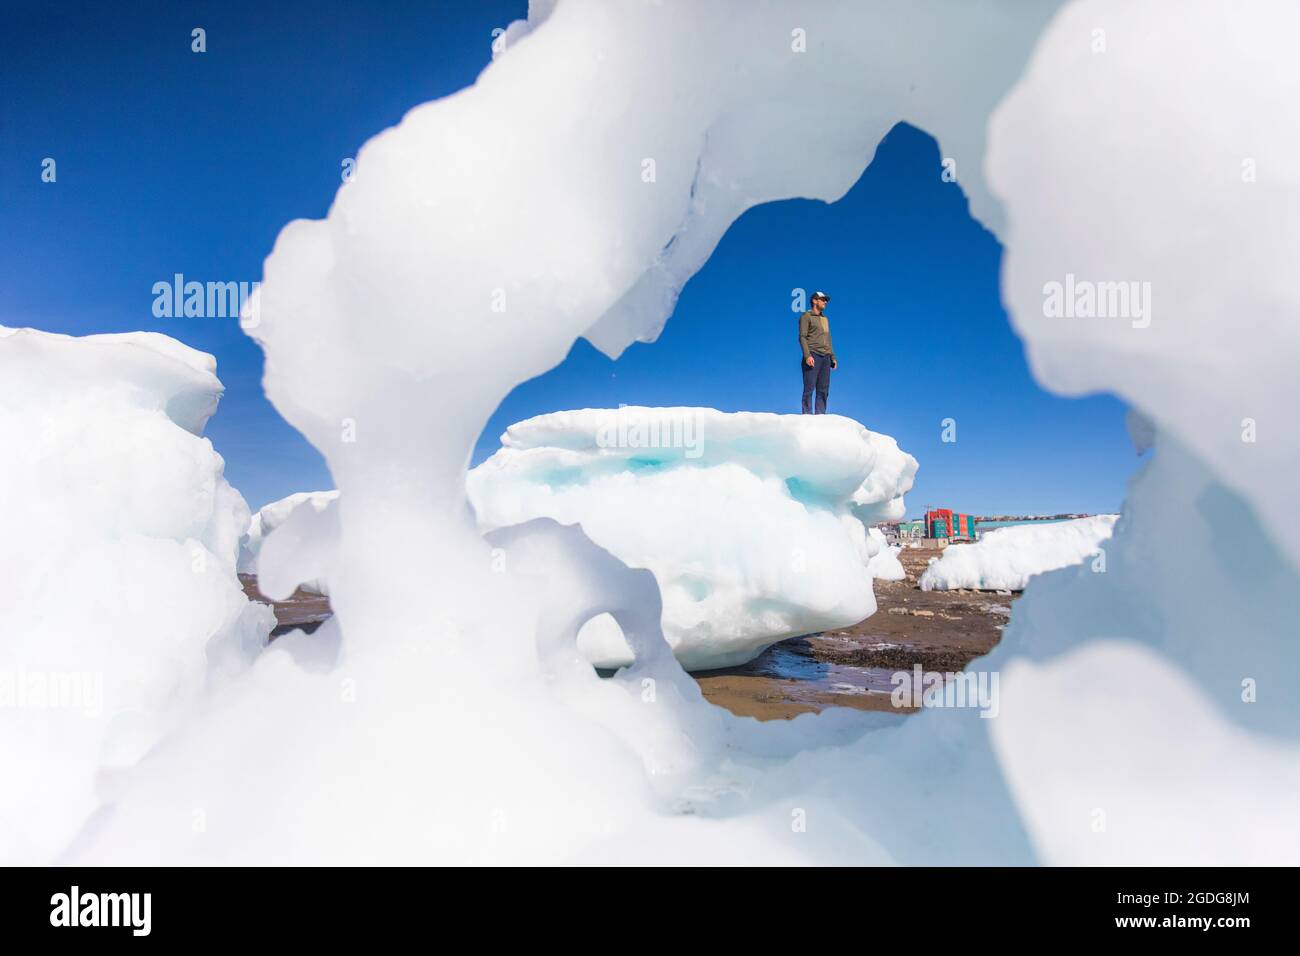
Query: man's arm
(805, 326)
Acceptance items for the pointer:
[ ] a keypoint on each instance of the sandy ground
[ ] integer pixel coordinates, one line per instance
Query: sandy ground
(940, 630)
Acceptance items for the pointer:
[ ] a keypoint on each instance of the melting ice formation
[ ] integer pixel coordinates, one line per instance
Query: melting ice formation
(119, 605)
(1006, 558)
(1147, 714)
(269, 517)
(884, 564)
(752, 523)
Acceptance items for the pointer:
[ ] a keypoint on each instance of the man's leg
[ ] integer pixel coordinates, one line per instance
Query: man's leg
(823, 371)
(809, 381)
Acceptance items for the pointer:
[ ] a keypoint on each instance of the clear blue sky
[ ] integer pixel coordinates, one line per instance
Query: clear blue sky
(171, 161)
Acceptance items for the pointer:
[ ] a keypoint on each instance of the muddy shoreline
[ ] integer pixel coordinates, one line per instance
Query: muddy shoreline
(304, 610)
(852, 667)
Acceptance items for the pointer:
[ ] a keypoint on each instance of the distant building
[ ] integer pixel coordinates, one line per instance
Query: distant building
(949, 525)
(910, 530)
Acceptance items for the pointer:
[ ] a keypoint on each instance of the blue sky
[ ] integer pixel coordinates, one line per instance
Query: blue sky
(172, 161)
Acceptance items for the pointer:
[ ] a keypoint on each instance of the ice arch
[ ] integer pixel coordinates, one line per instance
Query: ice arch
(572, 191)
(526, 193)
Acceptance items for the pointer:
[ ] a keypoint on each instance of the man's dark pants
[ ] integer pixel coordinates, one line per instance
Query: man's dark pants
(816, 376)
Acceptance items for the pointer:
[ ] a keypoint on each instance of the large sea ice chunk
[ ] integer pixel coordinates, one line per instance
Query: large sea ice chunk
(747, 520)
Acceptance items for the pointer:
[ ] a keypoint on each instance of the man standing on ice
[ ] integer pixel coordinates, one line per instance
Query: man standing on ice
(818, 356)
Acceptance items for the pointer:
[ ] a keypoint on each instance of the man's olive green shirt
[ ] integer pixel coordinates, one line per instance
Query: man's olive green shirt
(815, 334)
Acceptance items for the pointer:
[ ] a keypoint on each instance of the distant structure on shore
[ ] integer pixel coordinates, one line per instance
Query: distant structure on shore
(943, 525)
(904, 530)
(1022, 519)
